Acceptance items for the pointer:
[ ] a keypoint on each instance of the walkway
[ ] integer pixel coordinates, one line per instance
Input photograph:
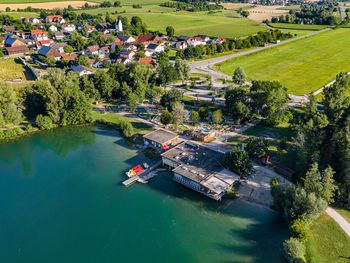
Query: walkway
(339, 219)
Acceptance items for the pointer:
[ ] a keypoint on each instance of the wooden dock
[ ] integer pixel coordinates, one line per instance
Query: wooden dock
(141, 177)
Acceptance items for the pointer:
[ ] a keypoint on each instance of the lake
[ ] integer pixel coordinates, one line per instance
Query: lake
(62, 201)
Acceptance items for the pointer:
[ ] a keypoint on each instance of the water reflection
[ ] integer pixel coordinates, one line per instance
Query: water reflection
(61, 141)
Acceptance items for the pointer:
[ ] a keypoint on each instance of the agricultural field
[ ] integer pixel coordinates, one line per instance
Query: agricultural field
(302, 66)
(297, 26)
(20, 14)
(327, 242)
(225, 22)
(45, 5)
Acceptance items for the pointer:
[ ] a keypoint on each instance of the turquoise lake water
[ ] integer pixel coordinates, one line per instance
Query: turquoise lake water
(62, 201)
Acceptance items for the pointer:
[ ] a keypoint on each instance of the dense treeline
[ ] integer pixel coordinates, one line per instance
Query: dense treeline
(319, 13)
(257, 40)
(192, 6)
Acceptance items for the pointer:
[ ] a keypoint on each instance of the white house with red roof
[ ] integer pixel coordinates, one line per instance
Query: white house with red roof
(68, 27)
(39, 35)
(55, 19)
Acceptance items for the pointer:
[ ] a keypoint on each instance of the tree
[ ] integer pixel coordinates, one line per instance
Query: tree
(166, 72)
(239, 76)
(10, 112)
(117, 4)
(237, 103)
(203, 112)
(83, 61)
(104, 84)
(68, 49)
(166, 117)
(8, 9)
(217, 117)
(170, 31)
(180, 114)
(43, 122)
(257, 147)
(126, 128)
(183, 70)
(294, 250)
(170, 98)
(132, 101)
(194, 117)
(237, 160)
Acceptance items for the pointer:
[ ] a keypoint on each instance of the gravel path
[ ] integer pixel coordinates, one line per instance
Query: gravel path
(339, 219)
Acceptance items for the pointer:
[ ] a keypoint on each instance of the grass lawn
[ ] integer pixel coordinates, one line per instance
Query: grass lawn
(344, 212)
(225, 22)
(10, 70)
(139, 126)
(298, 27)
(20, 14)
(302, 66)
(123, 2)
(327, 242)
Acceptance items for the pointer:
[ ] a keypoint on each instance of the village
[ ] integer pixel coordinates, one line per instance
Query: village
(48, 45)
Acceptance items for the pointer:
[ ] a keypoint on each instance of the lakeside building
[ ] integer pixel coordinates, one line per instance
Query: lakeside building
(200, 169)
(161, 139)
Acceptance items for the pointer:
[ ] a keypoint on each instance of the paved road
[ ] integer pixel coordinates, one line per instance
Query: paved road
(339, 219)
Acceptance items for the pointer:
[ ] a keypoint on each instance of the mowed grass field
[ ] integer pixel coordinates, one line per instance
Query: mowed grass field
(10, 70)
(302, 66)
(327, 242)
(225, 22)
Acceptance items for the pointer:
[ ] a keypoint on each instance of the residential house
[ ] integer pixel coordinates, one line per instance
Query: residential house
(59, 46)
(46, 42)
(39, 35)
(127, 39)
(32, 20)
(103, 52)
(181, 45)
(16, 51)
(69, 57)
(147, 61)
(49, 52)
(127, 54)
(103, 27)
(219, 40)
(198, 40)
(154, 48)
(9, 29)
(53, 28)
(14, 41)
(148, 39)
(68, 27)
(55, 19)
(82, 71)
(92, 50)
(58, 35)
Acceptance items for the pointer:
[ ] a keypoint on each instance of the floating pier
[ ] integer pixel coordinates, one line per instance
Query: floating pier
(142, 176)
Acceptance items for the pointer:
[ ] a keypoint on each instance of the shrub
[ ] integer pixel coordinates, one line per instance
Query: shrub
(126, 128)
(294, 250)
(43, 122)
(298, 229)
(237, 160)
(275, 181)
(257, 147)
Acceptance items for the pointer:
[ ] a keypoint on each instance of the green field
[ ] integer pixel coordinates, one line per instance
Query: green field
(327, 242)
(225, 22)
(123, 2)
(302, 66)
(18, 15)
(297, 26)
(10, 70)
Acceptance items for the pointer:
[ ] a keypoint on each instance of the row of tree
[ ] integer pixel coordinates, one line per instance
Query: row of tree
(260, 39)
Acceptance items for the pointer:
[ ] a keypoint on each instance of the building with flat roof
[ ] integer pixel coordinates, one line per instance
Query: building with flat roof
(161, 139)
(200, 169)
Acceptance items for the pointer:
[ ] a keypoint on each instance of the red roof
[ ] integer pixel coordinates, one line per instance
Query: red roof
(38, 32)
(148, 61)
(69, 56)
(93, 48)
(16, 50)
(118, 42)
(45, 42)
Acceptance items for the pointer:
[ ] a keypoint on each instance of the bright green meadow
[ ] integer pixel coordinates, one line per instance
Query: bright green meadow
(302, 66)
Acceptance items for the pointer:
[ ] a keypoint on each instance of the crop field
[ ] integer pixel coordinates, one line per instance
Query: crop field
(45, 5)
(123, 2)
(225, 22)
(297, 26)
(302, 66)
(19, 14)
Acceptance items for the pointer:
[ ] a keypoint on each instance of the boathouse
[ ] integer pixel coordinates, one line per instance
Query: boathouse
(200, 169)
(161, 139)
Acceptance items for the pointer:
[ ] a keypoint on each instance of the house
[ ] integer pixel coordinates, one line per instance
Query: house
(200, 169)
(197, 40)
(92, 50)
(204, 135)
(9, 29)
(219, 40)
(68, 27)
(32, 20)
(182, 38)
(14, 42)
(69, 57)
(103, 52)
(90, 29)
(95, 63)
(16, 51)
(181, 45)
(46, 42)
(154, 48)
(49, 52)
(39, 35)
(25, 34)
(127, 54)
(103, 27)
(127, 39)
(58, 35)
(82, 71)
(148, 39)
(53, 28)
(147, 61)
(59, 46)
(55, 19)
(161, 139)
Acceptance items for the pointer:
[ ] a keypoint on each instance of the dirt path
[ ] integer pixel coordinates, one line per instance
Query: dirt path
(48, 5)
(339, 219)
